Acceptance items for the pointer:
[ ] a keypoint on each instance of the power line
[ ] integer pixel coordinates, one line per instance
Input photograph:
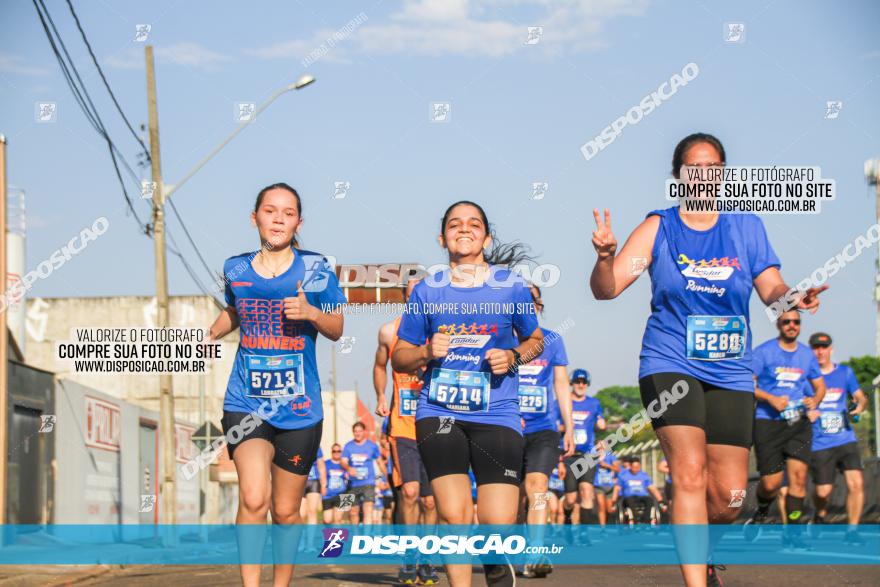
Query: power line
(104, 79)
(137, 138)
(175, 251)
(83, 98)
(189, 237)
(84, 101)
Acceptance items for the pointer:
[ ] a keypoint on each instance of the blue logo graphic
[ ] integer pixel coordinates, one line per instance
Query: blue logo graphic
(334, 542)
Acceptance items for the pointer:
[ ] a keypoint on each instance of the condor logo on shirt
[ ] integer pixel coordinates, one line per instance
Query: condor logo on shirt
(469, 341)
(786, 376)
(832, 395)
(474, 336)
(788, 373)
(714, 269)
(533, 367)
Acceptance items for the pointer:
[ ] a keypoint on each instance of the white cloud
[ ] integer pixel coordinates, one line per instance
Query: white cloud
(298, 49)
(17, 65)
(469, 37)
(183, 54)
(480, 28)
(434, 10)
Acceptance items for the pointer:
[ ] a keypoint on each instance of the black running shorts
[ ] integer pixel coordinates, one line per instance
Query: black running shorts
(295, 450)
(725, 415)
(826, 463)
(495, 453)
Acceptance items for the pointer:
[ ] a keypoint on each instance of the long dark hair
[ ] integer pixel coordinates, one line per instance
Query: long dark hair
(689, 141)
(281, 186)
(509, 254)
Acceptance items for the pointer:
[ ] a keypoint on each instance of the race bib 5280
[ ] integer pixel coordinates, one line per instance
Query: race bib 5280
(714, 338)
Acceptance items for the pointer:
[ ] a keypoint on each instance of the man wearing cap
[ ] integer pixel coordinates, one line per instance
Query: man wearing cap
(586, 416)
(835, 447)
(788, 388)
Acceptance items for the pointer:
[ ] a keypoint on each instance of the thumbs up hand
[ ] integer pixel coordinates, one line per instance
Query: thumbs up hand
(299, 308)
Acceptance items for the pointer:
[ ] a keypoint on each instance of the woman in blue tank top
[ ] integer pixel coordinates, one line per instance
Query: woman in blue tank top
(694, 373)
(280, 298)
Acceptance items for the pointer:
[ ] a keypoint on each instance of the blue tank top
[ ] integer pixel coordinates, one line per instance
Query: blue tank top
(701, 282)
(537, 396)
(276, 356)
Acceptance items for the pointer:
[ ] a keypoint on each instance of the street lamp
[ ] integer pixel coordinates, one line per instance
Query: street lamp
(303, 81)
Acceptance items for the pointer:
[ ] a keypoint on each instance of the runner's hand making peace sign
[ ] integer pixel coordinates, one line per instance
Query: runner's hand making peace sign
(603, 239)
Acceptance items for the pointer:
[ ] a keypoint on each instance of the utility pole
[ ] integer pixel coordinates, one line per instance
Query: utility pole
(4, 339)
(167, 501)
(335, 394)
(876, 182)
(872, 176)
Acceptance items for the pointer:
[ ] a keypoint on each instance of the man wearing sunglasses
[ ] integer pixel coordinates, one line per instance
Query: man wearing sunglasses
(788, 389)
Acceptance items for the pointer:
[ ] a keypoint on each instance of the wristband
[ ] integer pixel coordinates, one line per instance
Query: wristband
(516, 360)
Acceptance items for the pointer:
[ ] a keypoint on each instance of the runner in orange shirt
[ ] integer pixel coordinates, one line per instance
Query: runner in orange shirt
(414, 500)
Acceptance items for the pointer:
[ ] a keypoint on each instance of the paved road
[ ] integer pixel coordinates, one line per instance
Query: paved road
(337, 576)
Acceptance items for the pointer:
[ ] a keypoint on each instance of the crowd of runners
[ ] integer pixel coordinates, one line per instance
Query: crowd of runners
(483, 420)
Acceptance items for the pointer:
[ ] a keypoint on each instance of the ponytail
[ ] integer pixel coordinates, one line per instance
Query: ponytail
(505, 254)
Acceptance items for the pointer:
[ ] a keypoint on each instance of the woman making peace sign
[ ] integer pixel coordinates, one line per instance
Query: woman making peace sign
(703, 268)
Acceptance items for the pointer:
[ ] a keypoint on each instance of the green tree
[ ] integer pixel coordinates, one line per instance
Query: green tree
(866, 369)
(620, 403)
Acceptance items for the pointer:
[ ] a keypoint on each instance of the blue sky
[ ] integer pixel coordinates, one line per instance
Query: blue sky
(519, 114)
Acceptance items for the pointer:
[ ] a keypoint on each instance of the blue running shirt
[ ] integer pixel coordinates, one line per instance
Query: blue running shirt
(633, 484)
(537, 396)
(337, 478)
(478, 319)
(584, 414)
(701, 282)
(832, 427)
(606, 477)
(362, 457)
(782, 372)
(276, 356)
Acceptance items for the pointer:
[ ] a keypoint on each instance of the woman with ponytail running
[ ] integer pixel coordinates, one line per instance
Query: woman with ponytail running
(479, 323)
(281, 298)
